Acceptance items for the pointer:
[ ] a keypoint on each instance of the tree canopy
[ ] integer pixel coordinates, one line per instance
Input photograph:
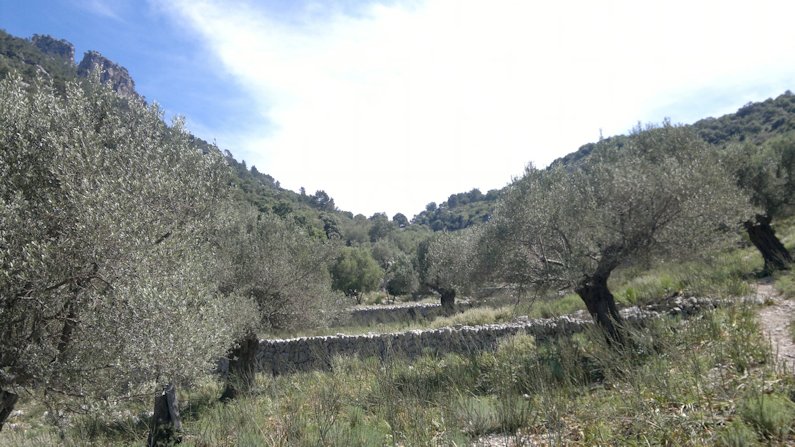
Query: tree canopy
(277, 264)
(355, 272)
(767, 173)
(106, 213)
(446, 263)
(283, 270)
(570, 227)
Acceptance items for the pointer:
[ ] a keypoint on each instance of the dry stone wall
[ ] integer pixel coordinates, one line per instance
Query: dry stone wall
(312, 353)
(284, 356)
(368, 315)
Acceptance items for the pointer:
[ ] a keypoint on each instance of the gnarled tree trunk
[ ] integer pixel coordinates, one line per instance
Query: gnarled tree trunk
(448, 300)
(602, 306)
(7, 402)
(166, 422)
(242, 367)
(764, 239)
(69, 325)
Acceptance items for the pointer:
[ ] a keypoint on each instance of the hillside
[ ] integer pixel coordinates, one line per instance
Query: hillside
(458, 211)
(755, 122)
(55, 58)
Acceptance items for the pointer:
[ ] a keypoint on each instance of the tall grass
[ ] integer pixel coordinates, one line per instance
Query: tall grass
(726, 274)
(703, 381)
(785, 284)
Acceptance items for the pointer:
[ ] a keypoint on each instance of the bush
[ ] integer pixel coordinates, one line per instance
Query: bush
(477, 415)
(785, 284)
(474, 317)
(508, 368)
(549, 308)
(737, 434)
(771, 414)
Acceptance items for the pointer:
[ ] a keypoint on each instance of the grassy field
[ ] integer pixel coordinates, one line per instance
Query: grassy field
(704, 381)
(707, 380)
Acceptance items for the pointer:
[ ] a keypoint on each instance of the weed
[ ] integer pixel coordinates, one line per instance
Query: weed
(475, 317)
(771, 414)
(785, 284)
(676, 382)
(554, 306)
(737, 434)
(792, 329)
(476, 415)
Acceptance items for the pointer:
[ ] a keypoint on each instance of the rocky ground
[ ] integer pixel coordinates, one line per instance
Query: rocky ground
(775, 319)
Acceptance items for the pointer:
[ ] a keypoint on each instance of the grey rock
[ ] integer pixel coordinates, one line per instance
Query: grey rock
(57, 48)
(110, 73)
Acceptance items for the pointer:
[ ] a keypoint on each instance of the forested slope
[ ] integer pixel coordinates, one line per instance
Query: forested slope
(755, 122)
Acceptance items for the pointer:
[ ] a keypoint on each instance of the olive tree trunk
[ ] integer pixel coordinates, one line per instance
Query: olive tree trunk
(242, 367)
(7, 402)
(166, 422)
(602, 306)
(448, 300)
(764, 239)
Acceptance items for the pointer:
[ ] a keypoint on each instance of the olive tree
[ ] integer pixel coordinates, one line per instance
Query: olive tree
(570, 227)
(767, 173)
(276, 264)
(402, 276)
(446, 262)
(356, 272)
(104, 212)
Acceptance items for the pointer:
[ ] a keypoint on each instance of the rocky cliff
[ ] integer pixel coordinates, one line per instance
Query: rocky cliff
(109, 73)
(55, 58)
(57, 48)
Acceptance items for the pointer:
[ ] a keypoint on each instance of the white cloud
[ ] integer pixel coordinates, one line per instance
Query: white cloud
(104, 8)
(404, 104)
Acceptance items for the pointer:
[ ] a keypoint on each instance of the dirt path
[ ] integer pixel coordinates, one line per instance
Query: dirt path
(775, 320)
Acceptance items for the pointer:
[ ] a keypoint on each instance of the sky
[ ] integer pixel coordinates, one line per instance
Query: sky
(389, 105)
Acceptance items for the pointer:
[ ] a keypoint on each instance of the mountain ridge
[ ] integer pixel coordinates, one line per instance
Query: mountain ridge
(55, 58)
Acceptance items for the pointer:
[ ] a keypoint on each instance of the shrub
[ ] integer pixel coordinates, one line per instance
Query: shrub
(785, 284)
(771, 414)
(474, 317)
(737, 434)
(477, 415)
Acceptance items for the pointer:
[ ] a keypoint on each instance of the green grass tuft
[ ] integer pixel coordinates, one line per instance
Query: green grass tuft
(475, 317)
(785, 284)
(771, 414)
(737, 434)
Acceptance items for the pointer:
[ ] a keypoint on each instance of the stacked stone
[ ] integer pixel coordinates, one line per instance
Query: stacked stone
(316, 353)
(366, 315)
(284, 356)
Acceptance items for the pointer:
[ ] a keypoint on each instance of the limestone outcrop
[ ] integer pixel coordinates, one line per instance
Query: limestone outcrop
(57, 48)
(110, 73)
